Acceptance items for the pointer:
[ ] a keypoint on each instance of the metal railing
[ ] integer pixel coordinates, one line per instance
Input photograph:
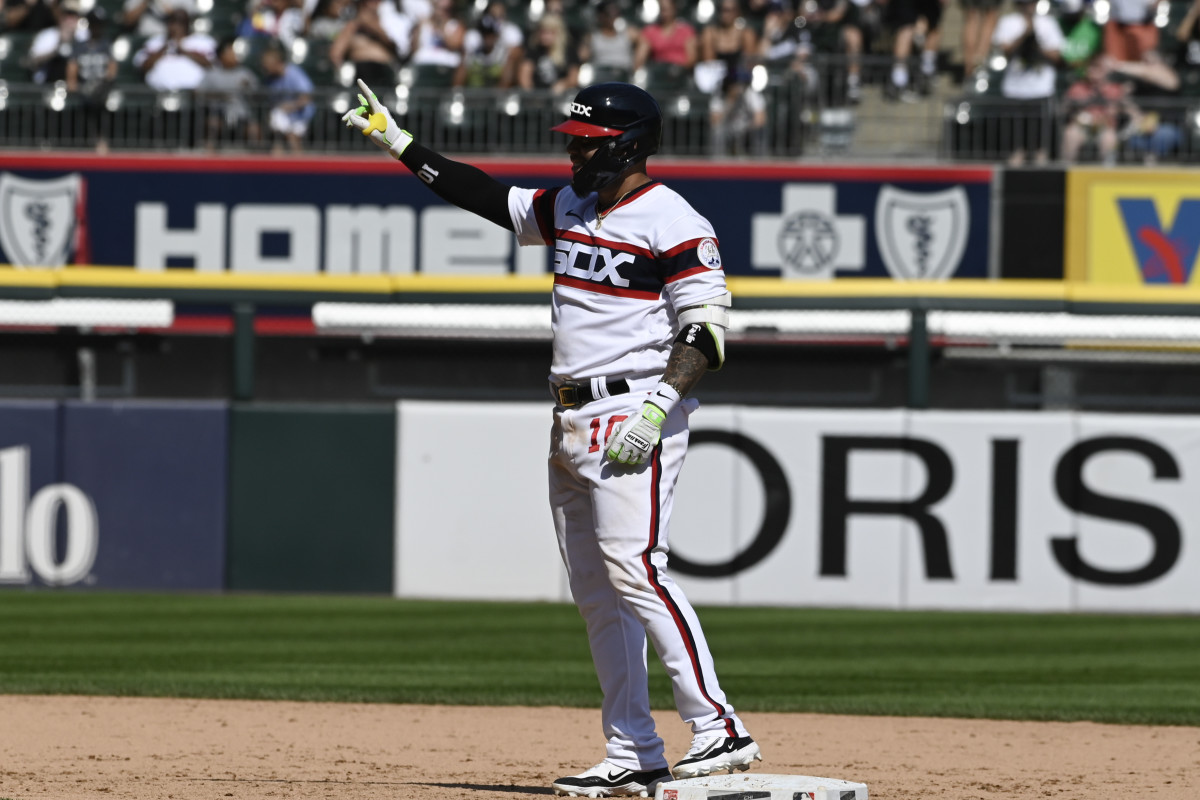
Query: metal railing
(807, 114)
(987, 128)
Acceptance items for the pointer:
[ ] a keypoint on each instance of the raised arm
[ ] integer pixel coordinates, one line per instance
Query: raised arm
(1184, 31)
(463, 185)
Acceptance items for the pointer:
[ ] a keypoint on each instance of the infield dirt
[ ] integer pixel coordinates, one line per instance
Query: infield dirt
(72, 748)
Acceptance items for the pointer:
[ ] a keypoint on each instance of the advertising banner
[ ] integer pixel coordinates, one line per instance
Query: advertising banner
(122, 495)
(473, 522)
(357, 216)
(29, 462)
(1132, 228)
(871, 509)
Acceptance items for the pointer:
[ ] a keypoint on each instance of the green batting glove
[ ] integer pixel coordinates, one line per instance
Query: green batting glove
(374, 120)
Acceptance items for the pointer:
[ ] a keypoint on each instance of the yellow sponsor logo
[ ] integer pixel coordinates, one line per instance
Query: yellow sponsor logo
(1133, 229)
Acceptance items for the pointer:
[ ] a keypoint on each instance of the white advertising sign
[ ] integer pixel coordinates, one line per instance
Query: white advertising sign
(1047, 511)
(472, 517)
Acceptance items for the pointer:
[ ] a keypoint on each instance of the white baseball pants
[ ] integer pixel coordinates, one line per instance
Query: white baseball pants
(612, 523)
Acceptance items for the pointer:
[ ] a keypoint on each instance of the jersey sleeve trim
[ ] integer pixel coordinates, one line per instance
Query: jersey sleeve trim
(543, 212)
(685, 260)
(687, 273)
(690, 244)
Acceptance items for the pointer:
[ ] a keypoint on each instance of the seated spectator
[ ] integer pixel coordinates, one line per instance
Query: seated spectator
(51, 48)
(177, 59)
(399, 18)
(729, 39)
(978, 24)
(1031, 42)
(1081, 34)
(328, 18)
(413, 10)
(550, 63)
(825, 22)
(91, 70)
(438, 39)
(738, 115)
(670, 40)
(787, 47)
(1130, 32)
(1187, 43)
(756, 12)
(903, 16)
(27, 16)
(149, 17)
(274, 19)
(1157, 121)
(223, 93)
(781, 35)
(858, 28)
(609, 46)
(511, 35)
(488, 60)
(365, 43)
(1092, 109)
(292, 106)
(575, 33)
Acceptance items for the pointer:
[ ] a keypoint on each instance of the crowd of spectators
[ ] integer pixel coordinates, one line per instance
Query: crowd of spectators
(1102, 62)
(1090, 87)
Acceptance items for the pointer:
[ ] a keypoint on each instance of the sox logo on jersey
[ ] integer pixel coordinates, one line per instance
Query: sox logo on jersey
(569, 255)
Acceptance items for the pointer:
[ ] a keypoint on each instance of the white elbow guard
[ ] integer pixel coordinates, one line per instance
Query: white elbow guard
(704, 328)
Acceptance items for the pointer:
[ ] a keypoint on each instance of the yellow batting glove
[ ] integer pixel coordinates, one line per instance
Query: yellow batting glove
(374, 120)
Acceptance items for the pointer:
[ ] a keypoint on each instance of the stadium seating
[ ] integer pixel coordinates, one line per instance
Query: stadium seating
(13, 49)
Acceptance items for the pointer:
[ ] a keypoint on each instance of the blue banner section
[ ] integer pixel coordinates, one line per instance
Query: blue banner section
(121, 495)
(364, 217)
(32, 424)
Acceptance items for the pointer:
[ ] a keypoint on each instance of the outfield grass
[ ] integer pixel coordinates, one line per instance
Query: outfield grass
(1105, 668)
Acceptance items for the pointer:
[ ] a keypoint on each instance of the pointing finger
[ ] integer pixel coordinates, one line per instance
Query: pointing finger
(376, 107)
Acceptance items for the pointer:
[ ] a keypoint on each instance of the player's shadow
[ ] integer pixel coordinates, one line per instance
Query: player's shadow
(480, 787)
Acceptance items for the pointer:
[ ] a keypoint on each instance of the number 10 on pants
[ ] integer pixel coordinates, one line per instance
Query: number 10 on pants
(595, 424)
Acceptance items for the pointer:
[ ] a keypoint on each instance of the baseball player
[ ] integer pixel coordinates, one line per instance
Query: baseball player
(639, 314)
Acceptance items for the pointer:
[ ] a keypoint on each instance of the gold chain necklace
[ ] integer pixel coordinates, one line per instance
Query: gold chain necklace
(600, 216)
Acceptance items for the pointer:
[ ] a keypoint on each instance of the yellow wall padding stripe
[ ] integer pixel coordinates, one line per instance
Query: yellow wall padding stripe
(741, 287)
(125, 277)
(886, 287)
(107, 277)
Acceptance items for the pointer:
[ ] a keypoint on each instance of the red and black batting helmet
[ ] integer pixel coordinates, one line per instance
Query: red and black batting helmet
(627, 117)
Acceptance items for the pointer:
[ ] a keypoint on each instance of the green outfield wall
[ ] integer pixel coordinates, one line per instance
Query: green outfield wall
(311, 498)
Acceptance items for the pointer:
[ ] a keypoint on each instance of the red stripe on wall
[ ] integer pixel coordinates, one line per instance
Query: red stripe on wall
(212, 324)
(284, 326)
(376, 164)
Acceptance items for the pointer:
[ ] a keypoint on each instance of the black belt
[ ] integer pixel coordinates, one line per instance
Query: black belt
(572, 394)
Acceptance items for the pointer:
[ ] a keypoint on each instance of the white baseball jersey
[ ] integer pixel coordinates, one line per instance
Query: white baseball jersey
(619, 282)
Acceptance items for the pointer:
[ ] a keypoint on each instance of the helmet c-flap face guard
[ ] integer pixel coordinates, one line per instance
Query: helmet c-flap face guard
(628, 120)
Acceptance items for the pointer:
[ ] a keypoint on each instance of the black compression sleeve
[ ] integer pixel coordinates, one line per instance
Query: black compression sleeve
(465, 186)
